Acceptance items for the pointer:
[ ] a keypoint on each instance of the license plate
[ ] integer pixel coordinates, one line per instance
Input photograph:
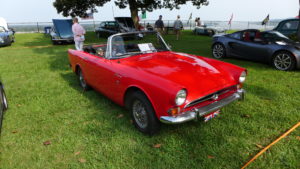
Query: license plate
(211, 115)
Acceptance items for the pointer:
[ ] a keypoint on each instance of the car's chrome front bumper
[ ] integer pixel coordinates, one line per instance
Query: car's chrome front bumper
(199, 112)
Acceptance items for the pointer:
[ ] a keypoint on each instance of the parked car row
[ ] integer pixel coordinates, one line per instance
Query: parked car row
(138, 70)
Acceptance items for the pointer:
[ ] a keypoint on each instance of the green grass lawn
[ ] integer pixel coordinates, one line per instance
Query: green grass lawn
(86, 130)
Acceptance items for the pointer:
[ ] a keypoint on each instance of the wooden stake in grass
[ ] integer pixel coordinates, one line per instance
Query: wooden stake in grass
(274, 142)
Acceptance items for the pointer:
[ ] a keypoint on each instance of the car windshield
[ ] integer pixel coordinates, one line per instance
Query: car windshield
(126, 45)
(275, 35)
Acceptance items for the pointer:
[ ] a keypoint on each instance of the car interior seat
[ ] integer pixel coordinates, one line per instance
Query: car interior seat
(247, 36)
(257, 37)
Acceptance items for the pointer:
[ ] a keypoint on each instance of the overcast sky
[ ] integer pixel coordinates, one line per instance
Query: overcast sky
(218, 10)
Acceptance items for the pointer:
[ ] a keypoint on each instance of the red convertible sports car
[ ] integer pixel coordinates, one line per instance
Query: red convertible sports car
(139, 71)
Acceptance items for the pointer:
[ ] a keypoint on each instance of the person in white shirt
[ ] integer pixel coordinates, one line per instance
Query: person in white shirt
(178, 26)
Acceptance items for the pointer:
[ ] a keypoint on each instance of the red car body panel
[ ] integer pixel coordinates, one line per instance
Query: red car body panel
(159, 75)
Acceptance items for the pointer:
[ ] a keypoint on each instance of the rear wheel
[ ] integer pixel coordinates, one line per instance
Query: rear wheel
(82, 81)
(218, 51)
(284, 61)
(143, 114)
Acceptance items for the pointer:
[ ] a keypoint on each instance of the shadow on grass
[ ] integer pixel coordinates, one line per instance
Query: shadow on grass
(262, 92)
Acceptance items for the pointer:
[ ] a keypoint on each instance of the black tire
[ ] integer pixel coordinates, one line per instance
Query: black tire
(218, 51)
(143, 114)
(284, 61)
(82, 81)
(3, 105)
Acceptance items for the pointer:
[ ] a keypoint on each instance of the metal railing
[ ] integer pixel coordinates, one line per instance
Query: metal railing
(30, 27)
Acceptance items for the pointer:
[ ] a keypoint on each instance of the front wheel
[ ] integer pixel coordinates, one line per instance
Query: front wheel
(143, 114)
(218, 51)
(284, 61)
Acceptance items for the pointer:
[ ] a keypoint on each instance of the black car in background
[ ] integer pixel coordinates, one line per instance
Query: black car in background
(288, 27)
(121, 24)
(268, 47)
(3, 103)
(107, 28)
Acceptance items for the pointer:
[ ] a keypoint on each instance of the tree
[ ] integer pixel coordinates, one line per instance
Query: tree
(298, 32)
(80, 7)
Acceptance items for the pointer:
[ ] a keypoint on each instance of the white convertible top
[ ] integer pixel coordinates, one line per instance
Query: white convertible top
(3, 23)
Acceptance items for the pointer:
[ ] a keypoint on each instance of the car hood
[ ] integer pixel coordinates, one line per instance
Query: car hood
(126, 23)
(63, 28)
(200, 76)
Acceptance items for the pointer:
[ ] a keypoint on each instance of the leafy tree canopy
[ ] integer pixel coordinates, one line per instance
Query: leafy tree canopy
(80, 7)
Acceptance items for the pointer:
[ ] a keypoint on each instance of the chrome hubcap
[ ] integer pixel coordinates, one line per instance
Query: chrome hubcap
(218, 51)
(283, 61)
(81, 79)
(140, 114)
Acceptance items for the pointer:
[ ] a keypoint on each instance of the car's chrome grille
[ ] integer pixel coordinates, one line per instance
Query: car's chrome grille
(213, 96)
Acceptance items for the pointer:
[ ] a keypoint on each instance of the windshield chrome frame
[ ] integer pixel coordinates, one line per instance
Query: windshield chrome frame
(108, 53)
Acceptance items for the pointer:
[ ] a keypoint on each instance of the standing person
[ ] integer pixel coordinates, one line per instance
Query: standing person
(79, 33)
(159, 25)
(177, 27)
(198, 22)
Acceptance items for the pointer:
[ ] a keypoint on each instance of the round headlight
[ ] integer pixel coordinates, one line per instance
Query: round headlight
(180, 97)
(242, 77)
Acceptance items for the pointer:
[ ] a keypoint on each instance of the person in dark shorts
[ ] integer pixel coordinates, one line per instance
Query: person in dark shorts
(159, 25)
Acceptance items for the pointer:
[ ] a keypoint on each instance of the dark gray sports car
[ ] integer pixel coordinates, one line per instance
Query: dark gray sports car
(3, 103)
(269, 47)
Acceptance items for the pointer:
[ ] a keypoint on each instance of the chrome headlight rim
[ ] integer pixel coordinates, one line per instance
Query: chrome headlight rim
(180, 97)
(242, 77)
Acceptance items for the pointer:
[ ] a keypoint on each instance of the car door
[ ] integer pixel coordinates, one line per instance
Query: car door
(103, 75)
(235, 44)
(256, 51)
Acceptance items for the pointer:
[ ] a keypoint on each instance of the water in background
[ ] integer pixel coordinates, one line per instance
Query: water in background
(30, 27)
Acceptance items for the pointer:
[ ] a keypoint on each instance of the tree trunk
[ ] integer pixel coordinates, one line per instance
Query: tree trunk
(134, 13)
(298, 32)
